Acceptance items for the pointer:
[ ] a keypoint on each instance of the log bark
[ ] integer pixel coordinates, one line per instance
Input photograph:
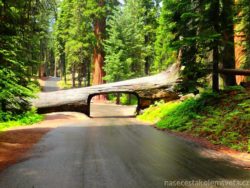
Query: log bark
(151, 88)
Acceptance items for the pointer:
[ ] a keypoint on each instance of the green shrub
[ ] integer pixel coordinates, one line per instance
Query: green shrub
(158, 111)
(125, 99)
(222, 118)
(28, 118)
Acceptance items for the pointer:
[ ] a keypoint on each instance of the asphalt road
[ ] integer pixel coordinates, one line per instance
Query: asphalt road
(51, 84)
(113, 153)
(113, 150)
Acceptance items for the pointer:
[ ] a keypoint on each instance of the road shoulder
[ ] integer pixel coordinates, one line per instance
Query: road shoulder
(16, 143)
(207, 149)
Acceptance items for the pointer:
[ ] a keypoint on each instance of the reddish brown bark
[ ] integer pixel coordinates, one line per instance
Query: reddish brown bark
(98, 73)
(41, 72)
(98, 57)
(240, 53)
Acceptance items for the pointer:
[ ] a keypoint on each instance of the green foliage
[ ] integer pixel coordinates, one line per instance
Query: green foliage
(222, 119)
(23, 25)
(184, 112)
(125, 100)
(125, 50)
(165, 53)
(151, 12)
(243, 27)
(27, 118)
(74, 39)
(191, 32)
(157, 111)
(129, 46)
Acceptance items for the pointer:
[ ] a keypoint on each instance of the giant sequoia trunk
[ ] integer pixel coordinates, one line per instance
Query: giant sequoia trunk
(228, 54)
(149, 90)
(98, 58)
(98, 73)
(240, 54)
(240, 49)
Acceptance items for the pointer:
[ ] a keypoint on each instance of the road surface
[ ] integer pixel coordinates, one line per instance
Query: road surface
(51, 84)
(113, 153)
(113, 150)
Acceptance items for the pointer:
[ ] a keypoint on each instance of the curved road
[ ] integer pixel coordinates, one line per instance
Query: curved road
(113, 153)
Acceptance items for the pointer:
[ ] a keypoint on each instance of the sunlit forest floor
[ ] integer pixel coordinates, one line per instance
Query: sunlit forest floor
(222, 119)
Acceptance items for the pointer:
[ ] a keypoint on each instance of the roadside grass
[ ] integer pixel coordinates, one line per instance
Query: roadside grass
(28, 118)
(68, 85)
(62, 85)
(10, 119)
(221, 118)
(124, 99)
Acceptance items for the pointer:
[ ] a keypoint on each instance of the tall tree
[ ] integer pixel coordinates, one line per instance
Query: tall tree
(214, 15)
(98, 56)
(61, 33)
(125, 47)
(100, 10)
(227, 27)
(21, 26)
(198, 29)
(150, 12)
(242, 37)
(165, 54)
(75, 40)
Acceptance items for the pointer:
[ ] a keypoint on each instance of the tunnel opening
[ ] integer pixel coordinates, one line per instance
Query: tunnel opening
(116, 104)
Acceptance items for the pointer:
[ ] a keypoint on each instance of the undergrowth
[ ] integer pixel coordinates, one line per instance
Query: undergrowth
(221, 118)
(28, 118)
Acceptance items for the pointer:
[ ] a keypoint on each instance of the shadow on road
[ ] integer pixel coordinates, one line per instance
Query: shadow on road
(104, 154)
(104, 110)
(101, 117)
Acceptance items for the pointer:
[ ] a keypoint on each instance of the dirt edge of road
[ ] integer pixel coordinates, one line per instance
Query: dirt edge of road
(217, 152)
(16, 143)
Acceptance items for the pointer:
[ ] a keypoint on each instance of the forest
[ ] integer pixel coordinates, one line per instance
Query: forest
(91, 42)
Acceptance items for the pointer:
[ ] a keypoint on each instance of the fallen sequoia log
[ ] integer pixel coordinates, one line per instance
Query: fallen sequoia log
(147, 89)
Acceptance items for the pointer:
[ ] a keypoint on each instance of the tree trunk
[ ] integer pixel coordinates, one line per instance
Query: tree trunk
(63, 65)
(215, 68)
(55, 69)
(118, 98)
(147, 66)
(80, 76)
(228, 54)
(129, 99)
(240, 50)
(79, 82)
(215, 11)
(73, 71)
(53, 63)
(98, 73)
(98, 57)
(88, 74)
(147, 59)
